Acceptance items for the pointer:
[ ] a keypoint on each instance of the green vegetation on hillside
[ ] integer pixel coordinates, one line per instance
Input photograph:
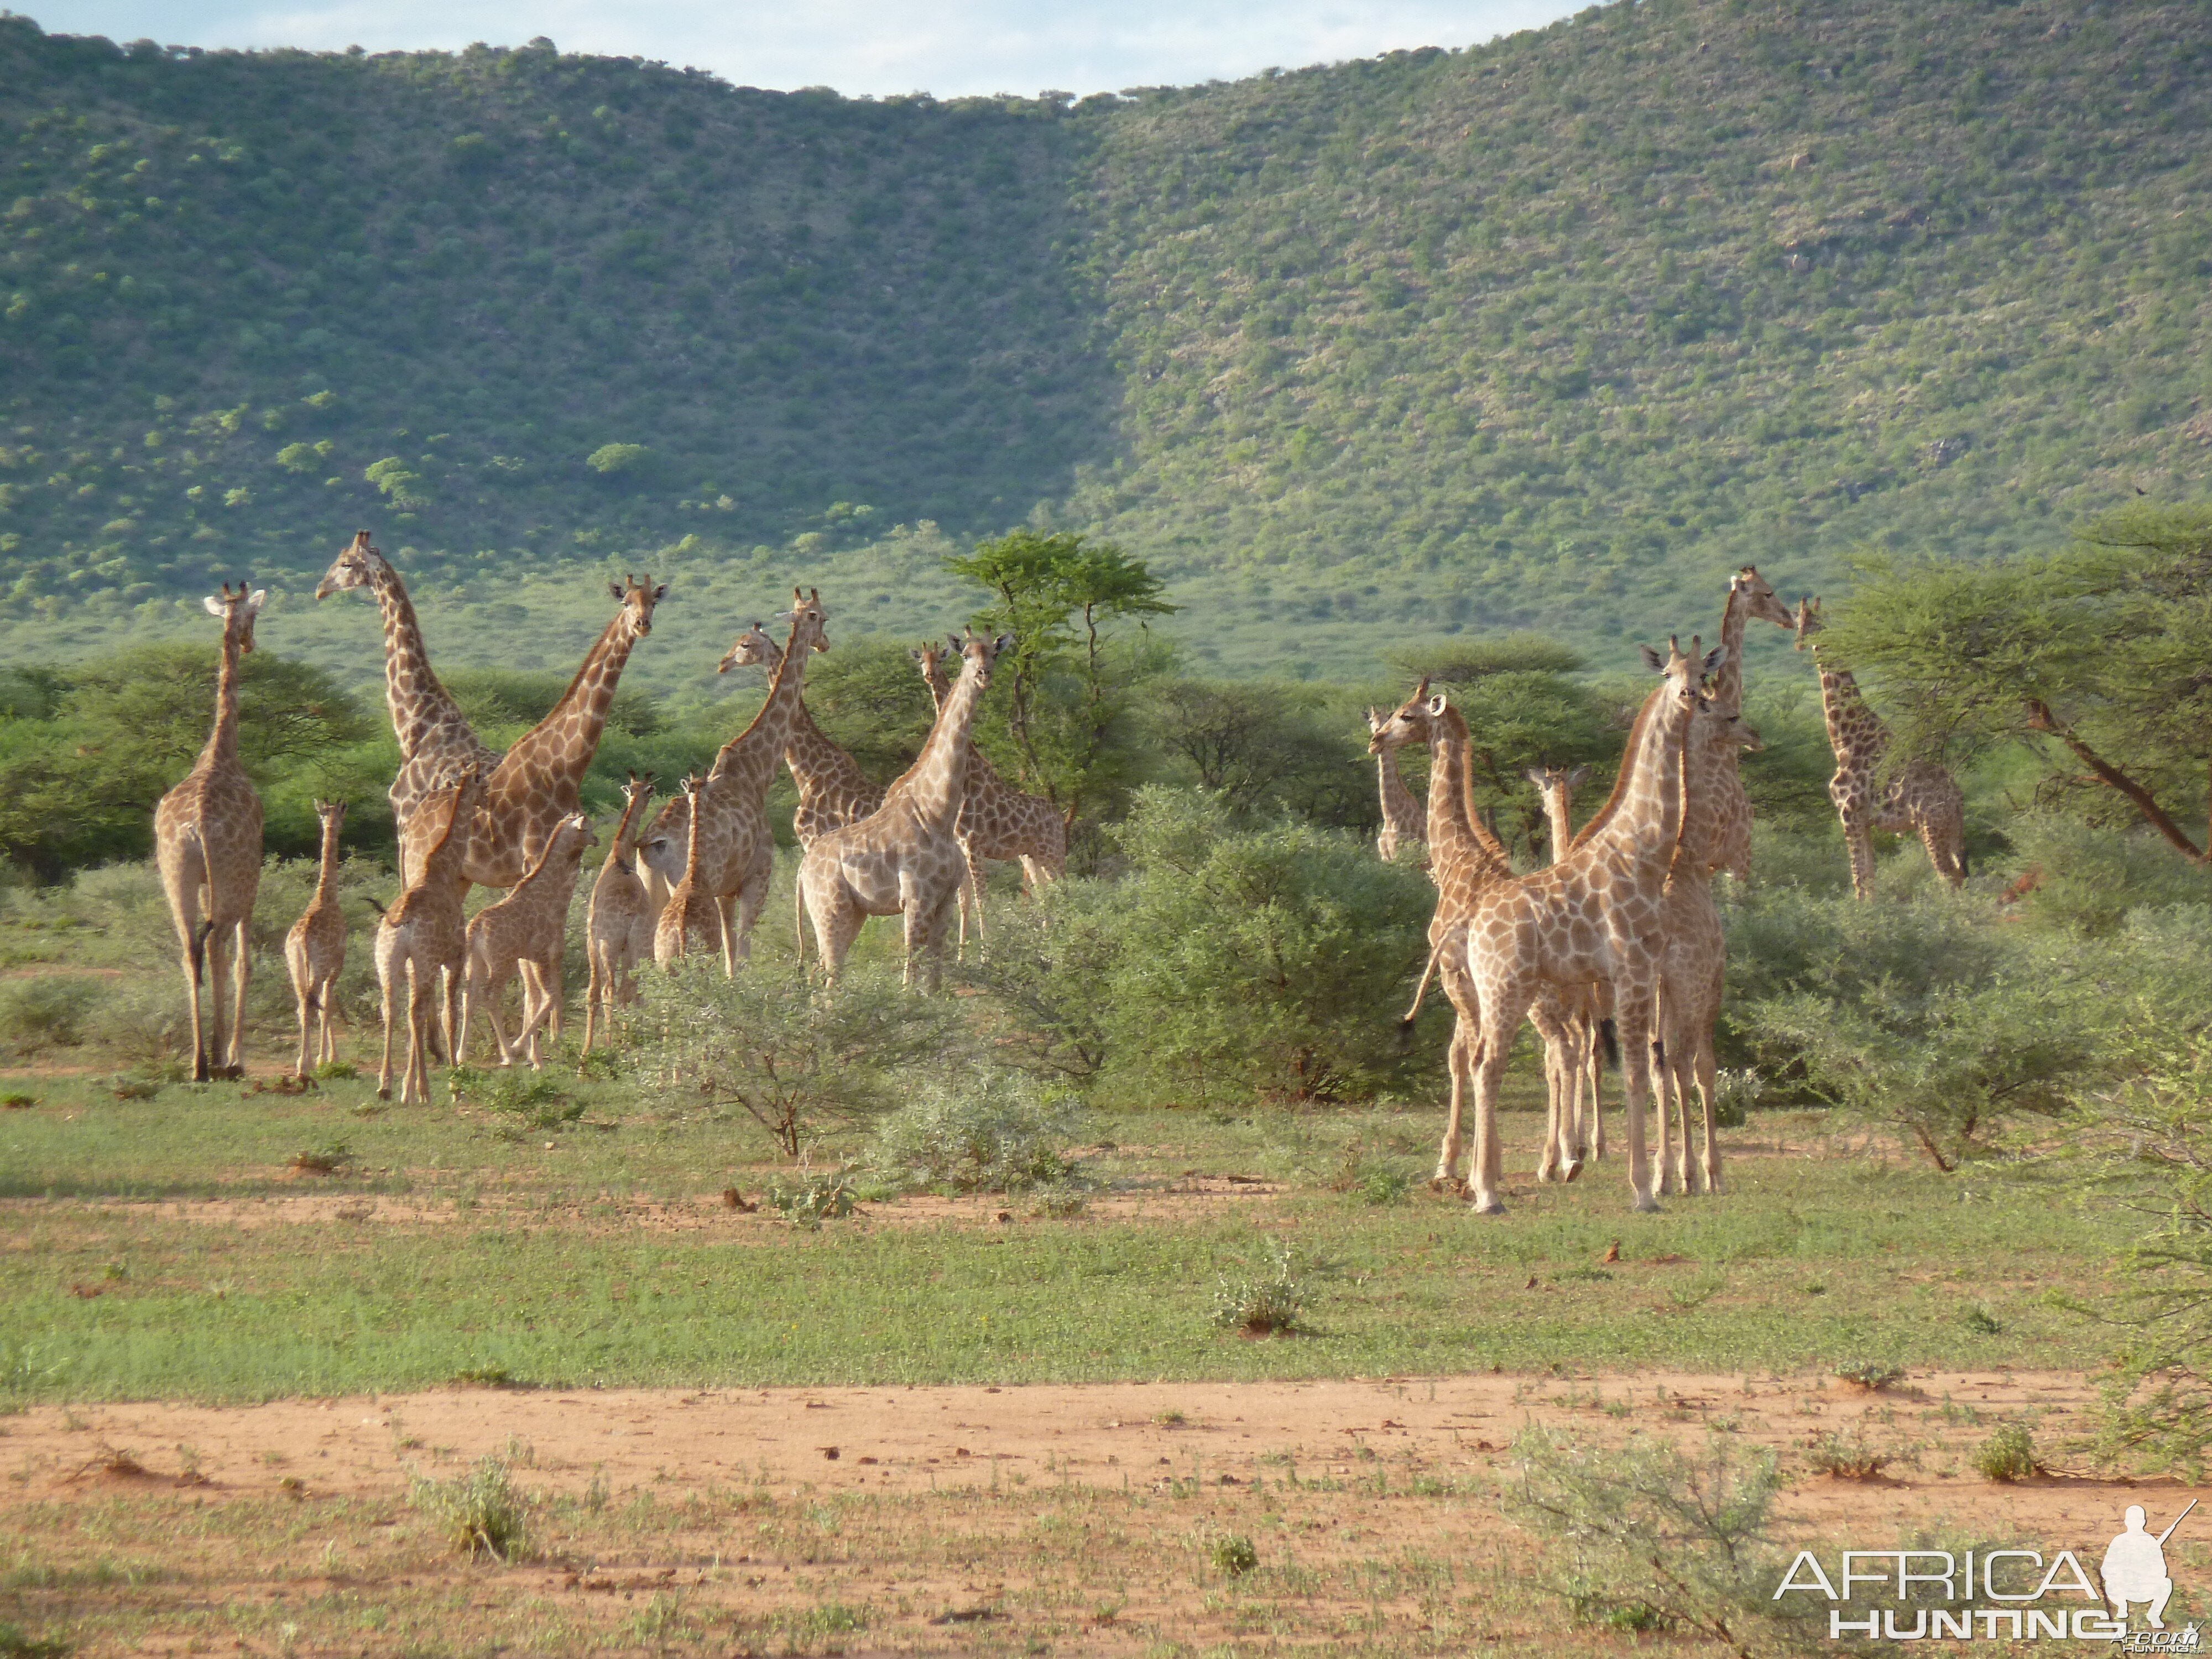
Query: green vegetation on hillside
(1547, 331)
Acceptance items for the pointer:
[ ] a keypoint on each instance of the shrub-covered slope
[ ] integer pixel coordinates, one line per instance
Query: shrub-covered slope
(1547, 332)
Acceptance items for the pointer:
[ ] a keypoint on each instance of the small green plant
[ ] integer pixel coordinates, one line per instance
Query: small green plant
(2008, 1456)
(1233, 1555)
(1262, 1304)
(1872, 1377)
(1381, 1188)
(330, 1159)
(1060, 1201)
(17, 1101)
(813, 1200)
(480, 1513)
(16, 1644)
(1981, 1320)
(531, 1101)
(1736, 1095)
(335, 1070)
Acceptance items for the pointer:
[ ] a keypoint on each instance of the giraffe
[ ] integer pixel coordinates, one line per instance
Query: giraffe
(1920, 796)
(315, 948)
(1594, 916)
(524, 932)
(737, 848)
(1404, 823)
(1589, 1007)
(1694, 969)
(436, 741)
(618, 927)
(833, 791)
(1467, 861)
(423, 938)
(997, 821)
(207, 843)
(536, 783)
(691, 921)
(1749, 595)
(904, 860)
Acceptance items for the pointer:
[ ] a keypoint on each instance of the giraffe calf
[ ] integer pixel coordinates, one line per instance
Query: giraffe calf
(315, 948)
(618, 929)
(422, 941)
(525, 933)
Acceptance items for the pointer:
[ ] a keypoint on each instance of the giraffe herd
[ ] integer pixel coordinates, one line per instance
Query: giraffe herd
(1616, 943)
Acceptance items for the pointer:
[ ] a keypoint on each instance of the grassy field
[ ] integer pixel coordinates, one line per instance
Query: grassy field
(166, 1247)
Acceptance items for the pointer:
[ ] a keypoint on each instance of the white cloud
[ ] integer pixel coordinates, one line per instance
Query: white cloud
(948, 47)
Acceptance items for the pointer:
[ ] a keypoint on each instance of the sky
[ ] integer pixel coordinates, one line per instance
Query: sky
(876, 47)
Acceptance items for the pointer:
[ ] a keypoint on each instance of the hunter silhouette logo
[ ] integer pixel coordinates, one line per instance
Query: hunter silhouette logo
(2134, 1567)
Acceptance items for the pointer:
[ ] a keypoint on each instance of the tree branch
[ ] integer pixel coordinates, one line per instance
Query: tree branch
(2040, 719)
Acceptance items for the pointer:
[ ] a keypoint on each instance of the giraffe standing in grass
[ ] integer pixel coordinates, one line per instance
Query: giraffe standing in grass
(618, 927)
(315, 948)
(421, 944)
(525, 933)
(691, 921)
(904, 858)
(207, 844)
(1465, 862)
(1589, 1006)
(436, 741)
(736, 847)
(1921, 796)
(998, 822)
(1595, 915)
(1404, 822)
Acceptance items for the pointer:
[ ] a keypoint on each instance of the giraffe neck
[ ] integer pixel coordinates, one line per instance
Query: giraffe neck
(566, 739)
(936, 784)
(751, 756)
(1455, 836)
(1402, 809)
(1728, 678)
(1645, 822)
(326, 875)
(441, 866)
(1709, 779)
(623, 853)
(692, 845)
(418, 703)
(817, 765)
(1853, 729)
(1559, 803)
(222, 748)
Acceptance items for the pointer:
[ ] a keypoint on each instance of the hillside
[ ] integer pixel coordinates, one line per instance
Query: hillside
(1548, 332)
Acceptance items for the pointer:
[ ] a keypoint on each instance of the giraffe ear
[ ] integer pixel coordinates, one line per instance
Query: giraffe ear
(260, 597)
(1577, 775)
(1437, 704)
(915, 651)
(660, 592)
(1534, 775)
(1004, 642)
(1652, 660)
(1713, 657)
(212, 606)
(615, 589)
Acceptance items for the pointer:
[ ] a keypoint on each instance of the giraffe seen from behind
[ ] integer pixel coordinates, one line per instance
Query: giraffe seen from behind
(618, 927)
(1921, 796)
(422, 943)
(315, 948)
(1589, 1007)
(207, 845)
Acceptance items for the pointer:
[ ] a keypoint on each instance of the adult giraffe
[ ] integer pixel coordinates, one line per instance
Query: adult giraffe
(737, 850)
(436, 741)
(1594, 916)
(207, 844)
(903, 859)
(998, 822)
(1921, 796)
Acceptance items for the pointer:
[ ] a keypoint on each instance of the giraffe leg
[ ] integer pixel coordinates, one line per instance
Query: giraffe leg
(182, 879)
(1664, 1170)
(1459, 1060)
(596, 989)
(385, 973)
(1946, 844)
(1859, 839)
(549, 987)
(218, 970)
(242, 969)
(1708, 1085)
(449, 983)
(752, 900)
(1544, 1014)
(327, 1054)
(1679, 1073)
(415, 1081)
(1635, 1000)
(1503, 1007)
(726, 911)
(975, 889)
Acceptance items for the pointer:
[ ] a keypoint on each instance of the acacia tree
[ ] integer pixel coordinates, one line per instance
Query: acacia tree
(2103, 650)
(1067, 677)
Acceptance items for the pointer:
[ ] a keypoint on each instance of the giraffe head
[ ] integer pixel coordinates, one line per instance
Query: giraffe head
(1552, 780)
(980, 651)
(1408, 723)
(1806, 622)
(808, 618)
(752, 649)
(638, 790)
(571, 836)
(238, 608)
(637, 599)
(359, 565)
(929, 657)
(330, 814)
(1757, 596)
(1684, 672)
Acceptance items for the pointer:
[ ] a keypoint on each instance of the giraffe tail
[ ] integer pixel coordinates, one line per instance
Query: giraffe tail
(1428, 970)
(1608, 1034)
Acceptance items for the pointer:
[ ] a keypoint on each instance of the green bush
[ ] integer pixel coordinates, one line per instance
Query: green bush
(2008, 1456)
(480, 1513)
(48, 1012)
(985, 1131)
(1268, 1303)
